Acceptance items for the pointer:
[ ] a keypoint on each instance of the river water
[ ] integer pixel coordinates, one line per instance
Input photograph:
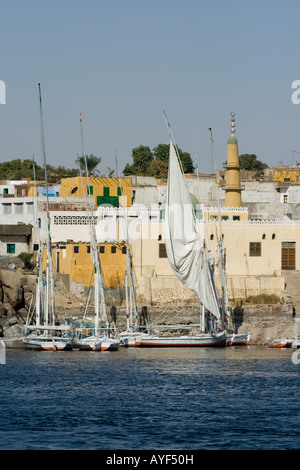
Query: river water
(242, 398)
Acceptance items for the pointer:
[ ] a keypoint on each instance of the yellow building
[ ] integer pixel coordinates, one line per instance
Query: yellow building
(103, 190)
(74, 261)
(287, 175)
(227, 214)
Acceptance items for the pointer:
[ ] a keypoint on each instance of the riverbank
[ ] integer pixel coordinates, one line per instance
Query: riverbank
(265, 322)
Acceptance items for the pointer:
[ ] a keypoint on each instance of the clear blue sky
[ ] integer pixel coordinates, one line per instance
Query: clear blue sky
(121, 62)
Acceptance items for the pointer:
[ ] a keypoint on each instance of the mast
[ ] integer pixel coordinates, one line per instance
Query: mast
(129, 266)
(49, 250)
(39, 279)
(95, 253)
(221, 252)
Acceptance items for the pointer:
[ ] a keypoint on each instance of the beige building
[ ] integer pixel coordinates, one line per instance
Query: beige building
(258, 256)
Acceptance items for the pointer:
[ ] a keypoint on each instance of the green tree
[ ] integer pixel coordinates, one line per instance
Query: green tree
(91, 163)
(161, 152)
(249, 162)
(155, 163)
(26, 258)
(158, 169)
(142, 158)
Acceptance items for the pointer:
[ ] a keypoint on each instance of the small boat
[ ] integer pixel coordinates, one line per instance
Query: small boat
(241, 339)
(98, 343)
(39, 341)
(130, 340)
(54, 344)
(201, 340)
(282, 343)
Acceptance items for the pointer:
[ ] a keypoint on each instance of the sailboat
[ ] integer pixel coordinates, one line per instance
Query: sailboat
(45, 334)
(129, 337)
(99, 339)
(186, 252)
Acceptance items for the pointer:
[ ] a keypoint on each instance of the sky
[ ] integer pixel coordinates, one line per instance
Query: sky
(122, 62)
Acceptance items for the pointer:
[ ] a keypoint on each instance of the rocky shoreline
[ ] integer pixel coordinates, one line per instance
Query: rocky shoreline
(265, 322)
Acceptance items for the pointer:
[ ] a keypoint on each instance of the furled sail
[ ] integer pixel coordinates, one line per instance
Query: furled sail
(184, 247)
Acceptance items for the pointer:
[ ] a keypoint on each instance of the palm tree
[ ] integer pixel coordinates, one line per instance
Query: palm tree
(91, 162)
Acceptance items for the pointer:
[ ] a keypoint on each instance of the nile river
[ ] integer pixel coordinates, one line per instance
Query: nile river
(243, 398)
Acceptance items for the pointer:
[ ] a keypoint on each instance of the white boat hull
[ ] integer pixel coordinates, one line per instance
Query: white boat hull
(242, 339)
(97, 343)
(130, 340)
(46, 343)
(202, 340)
(282, 343)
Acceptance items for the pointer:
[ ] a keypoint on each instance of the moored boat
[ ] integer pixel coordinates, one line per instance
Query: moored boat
(241, 339)
(38, 341)
(282, 343)
(97, 343)
(201, 340)
(130, 340)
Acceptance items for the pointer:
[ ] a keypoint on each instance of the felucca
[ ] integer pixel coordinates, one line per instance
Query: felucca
(45, 334)
(186, 252)
(99, 338)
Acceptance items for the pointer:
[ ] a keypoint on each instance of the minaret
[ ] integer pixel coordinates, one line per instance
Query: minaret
(233, 180)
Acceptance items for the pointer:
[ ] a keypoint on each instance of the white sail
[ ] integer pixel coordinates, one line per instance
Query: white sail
(184, 246)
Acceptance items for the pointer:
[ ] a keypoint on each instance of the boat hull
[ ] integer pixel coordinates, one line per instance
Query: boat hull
(46, 344)
(130, 340)
(204, 340)
(242, 339)
(98, 344)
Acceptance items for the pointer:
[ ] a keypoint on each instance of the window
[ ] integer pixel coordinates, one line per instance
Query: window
(90, 190)
(162, 253)
(76, 249)
(5, 190)
(88, 248)
(236, 217)
(255, 249)
(29, 207)
(124, 250)
(101, 249)
(18, 208)
(263, 236)
(35, 247)
(225, 217)
(213, 217)
(105, 191)
(6, 208)
(113, 249)
(120, 191)
(285, 198)
(11, 248)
